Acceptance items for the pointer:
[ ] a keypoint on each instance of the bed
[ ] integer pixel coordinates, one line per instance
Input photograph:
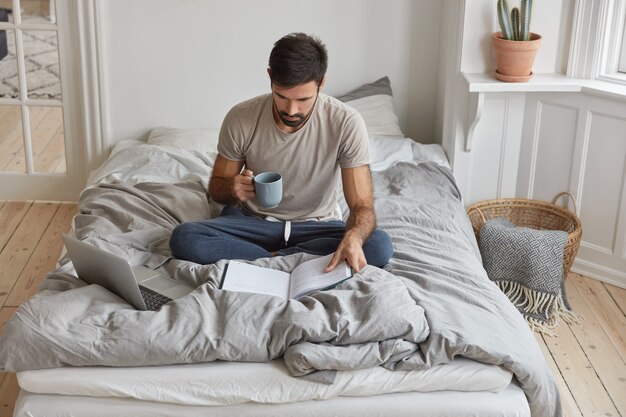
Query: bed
(426, 335)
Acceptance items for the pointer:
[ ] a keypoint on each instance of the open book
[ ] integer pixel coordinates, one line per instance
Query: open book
(306, 278)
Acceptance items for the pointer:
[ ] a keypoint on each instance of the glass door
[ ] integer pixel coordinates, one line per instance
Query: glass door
(35, 156)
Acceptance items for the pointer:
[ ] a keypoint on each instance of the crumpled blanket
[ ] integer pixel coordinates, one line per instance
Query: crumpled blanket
(89, 325)
(432, 302)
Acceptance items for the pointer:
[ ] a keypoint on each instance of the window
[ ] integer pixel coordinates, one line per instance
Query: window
(622, 60)
(599, 41)
(612, 57)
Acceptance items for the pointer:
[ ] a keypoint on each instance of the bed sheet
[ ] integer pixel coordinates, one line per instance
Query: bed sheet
(225, 383)
(435, 269)
(510, 402)
(134, 161)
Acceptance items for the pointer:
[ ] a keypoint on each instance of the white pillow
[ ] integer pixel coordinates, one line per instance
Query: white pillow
(374, 102)
(200, 140)
(432, 152)
(386, 151)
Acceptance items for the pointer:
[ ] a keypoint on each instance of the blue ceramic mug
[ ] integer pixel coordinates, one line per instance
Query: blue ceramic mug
(269, 189)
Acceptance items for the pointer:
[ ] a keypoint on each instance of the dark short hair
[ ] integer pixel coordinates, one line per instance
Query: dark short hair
(297, 59)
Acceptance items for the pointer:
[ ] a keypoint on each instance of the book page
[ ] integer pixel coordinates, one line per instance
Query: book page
(250, 278)
(309, 276)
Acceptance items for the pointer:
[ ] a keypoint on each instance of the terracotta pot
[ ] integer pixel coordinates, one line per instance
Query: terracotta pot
(515, 59)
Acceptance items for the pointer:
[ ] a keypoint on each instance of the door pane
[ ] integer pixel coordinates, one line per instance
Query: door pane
(41, 56)
(47, 138)
(11, 140)
(9, 84)
(38, 11)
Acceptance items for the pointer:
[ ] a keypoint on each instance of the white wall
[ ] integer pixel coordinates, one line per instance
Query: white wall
(551, 19)
(192, 60)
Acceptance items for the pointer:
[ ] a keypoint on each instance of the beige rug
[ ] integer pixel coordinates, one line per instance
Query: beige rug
(42, 66)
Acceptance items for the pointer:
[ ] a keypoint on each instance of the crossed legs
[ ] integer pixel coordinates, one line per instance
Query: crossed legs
(236, 235)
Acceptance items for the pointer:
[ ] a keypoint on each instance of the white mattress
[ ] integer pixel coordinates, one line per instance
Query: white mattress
(172, 160)
(510, 402)
(225, 383)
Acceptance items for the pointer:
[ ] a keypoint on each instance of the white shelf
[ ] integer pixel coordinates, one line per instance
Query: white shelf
(605, 89)
(546, 83)
(487, 83)
(481, 84)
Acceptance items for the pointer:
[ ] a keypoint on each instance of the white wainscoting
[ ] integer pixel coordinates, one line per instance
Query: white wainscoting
(491, 170)
(577, 142)
(536, 145)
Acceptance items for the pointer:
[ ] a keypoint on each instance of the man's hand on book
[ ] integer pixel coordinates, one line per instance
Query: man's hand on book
(351, 250)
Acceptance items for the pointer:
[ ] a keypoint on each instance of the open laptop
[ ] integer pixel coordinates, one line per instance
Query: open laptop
(141, 287)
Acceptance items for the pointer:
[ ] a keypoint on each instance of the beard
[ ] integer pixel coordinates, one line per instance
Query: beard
(292, 120)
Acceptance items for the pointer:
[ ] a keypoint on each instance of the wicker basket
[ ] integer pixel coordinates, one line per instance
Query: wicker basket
(534, 214)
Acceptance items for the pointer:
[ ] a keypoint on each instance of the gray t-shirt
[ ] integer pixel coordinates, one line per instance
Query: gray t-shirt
(309, 160)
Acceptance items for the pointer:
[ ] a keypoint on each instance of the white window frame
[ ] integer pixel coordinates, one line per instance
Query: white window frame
(621, 66)
(615, 16)
(597, 39)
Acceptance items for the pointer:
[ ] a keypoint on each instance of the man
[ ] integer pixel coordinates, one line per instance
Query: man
(313, 141)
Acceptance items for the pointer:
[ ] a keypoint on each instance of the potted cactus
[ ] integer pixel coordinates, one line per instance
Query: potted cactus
(515, 46)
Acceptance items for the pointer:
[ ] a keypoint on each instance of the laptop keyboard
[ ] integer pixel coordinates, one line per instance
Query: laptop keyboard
(153, 299)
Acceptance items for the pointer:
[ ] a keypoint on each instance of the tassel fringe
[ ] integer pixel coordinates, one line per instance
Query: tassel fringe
(536, 302)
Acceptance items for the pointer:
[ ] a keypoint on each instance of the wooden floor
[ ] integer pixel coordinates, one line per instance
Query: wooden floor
(588, 360)
(47, 139)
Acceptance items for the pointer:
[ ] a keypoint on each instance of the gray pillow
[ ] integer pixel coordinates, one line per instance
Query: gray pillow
(381, 86)
(374, 102)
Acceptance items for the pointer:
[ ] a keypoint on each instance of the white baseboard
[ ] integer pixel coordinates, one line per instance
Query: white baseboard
(601, 273)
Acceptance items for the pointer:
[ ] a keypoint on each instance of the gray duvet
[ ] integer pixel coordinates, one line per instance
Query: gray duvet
(432, 302)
